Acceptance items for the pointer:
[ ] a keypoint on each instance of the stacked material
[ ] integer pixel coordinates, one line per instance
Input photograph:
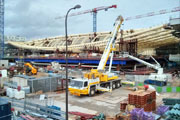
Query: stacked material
(14, 93)
(171, 101)
(123, 116)
(123, 106)
(162, 109)
(19, 94)
(143, 99)
(174, 113)
(140, 114)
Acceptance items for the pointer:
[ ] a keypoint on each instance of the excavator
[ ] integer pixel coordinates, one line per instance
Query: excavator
(99, 79)
(29, 69)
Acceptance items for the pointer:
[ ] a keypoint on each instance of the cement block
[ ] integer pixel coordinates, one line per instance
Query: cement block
(2, 80)
(20, 81)
(3, 73)
(4, 63)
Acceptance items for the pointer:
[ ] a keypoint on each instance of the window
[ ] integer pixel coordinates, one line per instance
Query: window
(85, 84)
(74, 83)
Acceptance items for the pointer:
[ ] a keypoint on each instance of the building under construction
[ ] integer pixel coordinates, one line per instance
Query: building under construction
(86, 49)
(131, 74)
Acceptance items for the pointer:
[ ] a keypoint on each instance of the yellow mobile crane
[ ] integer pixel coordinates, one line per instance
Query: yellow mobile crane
(98, 79)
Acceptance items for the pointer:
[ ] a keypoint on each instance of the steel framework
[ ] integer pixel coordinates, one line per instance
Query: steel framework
(147, 40)
(1, 29)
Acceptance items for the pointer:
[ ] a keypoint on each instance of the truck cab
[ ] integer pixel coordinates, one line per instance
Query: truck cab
(78, 86)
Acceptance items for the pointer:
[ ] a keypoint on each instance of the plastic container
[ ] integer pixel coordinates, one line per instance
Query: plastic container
(26, 89)
(10, 92)
(19, 94)
(7, 91)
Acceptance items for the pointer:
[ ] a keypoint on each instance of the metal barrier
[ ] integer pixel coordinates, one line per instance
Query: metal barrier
(46, 84)
(163, 89)
(167, 89)
(29, 107)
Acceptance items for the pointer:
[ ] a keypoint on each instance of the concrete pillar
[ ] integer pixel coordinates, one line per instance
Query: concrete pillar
(135, 67)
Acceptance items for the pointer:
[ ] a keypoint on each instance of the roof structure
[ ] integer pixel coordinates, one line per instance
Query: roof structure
(147, 40)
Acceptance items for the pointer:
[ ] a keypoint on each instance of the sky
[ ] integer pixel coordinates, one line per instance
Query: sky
(35, 19)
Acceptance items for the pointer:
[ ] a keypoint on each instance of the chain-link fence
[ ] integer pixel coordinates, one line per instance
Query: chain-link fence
(46, 84)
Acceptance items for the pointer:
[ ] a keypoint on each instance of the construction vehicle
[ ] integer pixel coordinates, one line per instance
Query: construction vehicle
(159, 78)
(29, 69)
(98, 79)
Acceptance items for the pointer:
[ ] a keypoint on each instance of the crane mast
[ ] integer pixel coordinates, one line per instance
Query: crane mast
(110, 47)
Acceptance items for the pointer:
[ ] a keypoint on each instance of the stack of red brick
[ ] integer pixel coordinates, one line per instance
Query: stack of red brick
(123, 106)
(143, 99)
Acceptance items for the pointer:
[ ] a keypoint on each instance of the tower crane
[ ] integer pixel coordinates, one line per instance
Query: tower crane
(94, 12)
(150, 14)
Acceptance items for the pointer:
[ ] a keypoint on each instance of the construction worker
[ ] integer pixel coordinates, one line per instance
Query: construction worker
(146, 87)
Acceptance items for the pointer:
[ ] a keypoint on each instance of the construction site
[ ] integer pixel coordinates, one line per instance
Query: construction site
(119, 72)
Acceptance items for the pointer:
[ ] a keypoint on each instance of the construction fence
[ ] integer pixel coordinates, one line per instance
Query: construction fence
(35, 107)
(164, 89)
(47, 84)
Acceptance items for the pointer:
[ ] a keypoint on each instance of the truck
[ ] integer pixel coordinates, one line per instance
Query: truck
(99, 79)
(159, 78)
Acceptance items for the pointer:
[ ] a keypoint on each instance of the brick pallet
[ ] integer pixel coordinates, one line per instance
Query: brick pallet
(123, 106)
(143, 99)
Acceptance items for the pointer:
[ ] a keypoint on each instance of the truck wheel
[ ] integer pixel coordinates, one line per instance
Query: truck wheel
(113, 85)
(92, 92)
(118, 85)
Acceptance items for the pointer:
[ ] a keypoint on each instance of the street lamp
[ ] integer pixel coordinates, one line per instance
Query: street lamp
(75, 7)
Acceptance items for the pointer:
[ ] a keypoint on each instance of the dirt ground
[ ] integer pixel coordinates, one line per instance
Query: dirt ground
(107, 103)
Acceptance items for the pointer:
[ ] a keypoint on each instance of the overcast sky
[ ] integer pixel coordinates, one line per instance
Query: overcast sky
(36, 18)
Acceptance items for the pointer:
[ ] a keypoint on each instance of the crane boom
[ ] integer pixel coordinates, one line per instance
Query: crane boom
(156, 67)
(89, 11)
(161, 12)
(94, 11)
(110, 45)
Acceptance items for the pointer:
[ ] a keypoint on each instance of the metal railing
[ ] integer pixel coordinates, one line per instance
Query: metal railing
(33, 109)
